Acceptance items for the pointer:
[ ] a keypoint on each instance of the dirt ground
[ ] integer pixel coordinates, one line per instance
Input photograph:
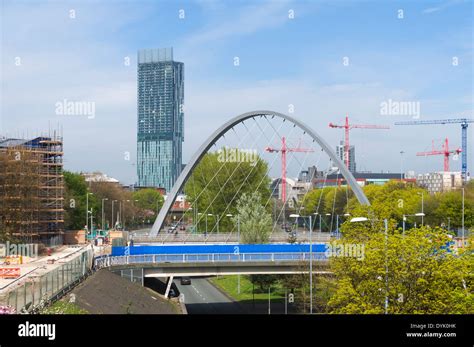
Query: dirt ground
(107, 293)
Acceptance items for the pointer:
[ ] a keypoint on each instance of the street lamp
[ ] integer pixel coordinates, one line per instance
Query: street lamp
(92, 226)
(198, 220)
(337, 222)
(462, 238)
(87, 209)
(422, 206)
(210, 215)
(113, 225)
(238, 225)
(320, 230)
(122, 214)
(310, 259)
(364, 219)
(103, 219)
(411, 215)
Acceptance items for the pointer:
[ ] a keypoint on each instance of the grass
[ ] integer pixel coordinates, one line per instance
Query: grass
(63, 307)
(229, 285)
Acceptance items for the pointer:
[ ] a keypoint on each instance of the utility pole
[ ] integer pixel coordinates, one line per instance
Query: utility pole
(310, 266)
(462, 238)
(103, 218)
(386, 265)
(269, 303)
(87, 210)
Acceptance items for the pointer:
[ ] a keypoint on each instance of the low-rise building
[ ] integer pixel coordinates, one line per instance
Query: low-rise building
(442, 181)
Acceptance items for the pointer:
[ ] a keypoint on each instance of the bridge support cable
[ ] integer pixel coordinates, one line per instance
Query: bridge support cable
(248, 175)
(208, 183)
(220, 135)
(301, 167)
(242, 184)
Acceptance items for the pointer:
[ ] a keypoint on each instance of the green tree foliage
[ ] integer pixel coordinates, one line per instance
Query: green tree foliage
(133, 213)
(218, 182)
(148, 199)
(263, 282)
(75, 201)
(332, 200)
(255, 221)
(424, 276)
(395, 199)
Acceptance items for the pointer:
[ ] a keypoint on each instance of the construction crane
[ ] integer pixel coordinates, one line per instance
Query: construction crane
(464, 123)
(283, 150)
(444, 151)
(347, 127)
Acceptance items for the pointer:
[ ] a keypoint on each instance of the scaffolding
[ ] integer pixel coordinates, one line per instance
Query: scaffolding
(32, 189)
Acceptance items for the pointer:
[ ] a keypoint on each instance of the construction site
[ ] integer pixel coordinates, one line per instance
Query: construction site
(32, 190)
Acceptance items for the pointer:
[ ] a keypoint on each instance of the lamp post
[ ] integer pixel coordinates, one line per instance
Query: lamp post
(462, 238)
(411, 215)
(422, 206)
(92, 226)
(103, 219)
(199, 220)
(328, 214)
(364, 219)
(123, 216)
(87, 209)
(337, 222)
(316, 213)
(133, 211)
(238, 237)
(310, 259)
(113, 224)
(210, 215)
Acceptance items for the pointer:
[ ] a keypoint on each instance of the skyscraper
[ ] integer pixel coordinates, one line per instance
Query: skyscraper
(341, 154)
(160, 118)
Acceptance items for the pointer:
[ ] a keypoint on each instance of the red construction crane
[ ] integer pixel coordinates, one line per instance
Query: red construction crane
(348, 127)
(283, 150)
(444, 151)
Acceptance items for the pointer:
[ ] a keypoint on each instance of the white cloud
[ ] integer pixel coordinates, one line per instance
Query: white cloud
(248, 20)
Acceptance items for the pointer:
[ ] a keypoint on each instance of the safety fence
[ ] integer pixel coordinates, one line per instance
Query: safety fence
(37, 291)
(109, 261)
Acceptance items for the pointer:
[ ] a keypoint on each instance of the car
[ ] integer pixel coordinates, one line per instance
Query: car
(172, 228)
(182, 227)
(185, 281)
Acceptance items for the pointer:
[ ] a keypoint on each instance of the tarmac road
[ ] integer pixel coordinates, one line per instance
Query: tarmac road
(201, 297)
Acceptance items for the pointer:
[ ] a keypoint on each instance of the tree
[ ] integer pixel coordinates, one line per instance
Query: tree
(218, 182)
(424, 275)
(263, 282)
(149, 199)
(255, 221)
(75, 190)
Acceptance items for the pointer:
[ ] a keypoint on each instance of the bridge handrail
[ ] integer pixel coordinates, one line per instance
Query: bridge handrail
(109, 261)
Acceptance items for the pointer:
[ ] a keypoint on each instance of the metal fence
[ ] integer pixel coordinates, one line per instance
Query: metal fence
(38, 290)
(199, 258)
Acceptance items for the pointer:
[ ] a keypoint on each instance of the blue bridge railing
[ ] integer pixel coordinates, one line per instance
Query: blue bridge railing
(109, 261)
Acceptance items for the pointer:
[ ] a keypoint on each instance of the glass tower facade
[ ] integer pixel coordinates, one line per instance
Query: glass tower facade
(160, 118)
(342, 155)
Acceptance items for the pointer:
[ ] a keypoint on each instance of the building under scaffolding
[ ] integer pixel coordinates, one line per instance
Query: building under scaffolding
(32, 189)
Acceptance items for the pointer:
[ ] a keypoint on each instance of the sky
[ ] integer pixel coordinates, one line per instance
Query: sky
(328, 59)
